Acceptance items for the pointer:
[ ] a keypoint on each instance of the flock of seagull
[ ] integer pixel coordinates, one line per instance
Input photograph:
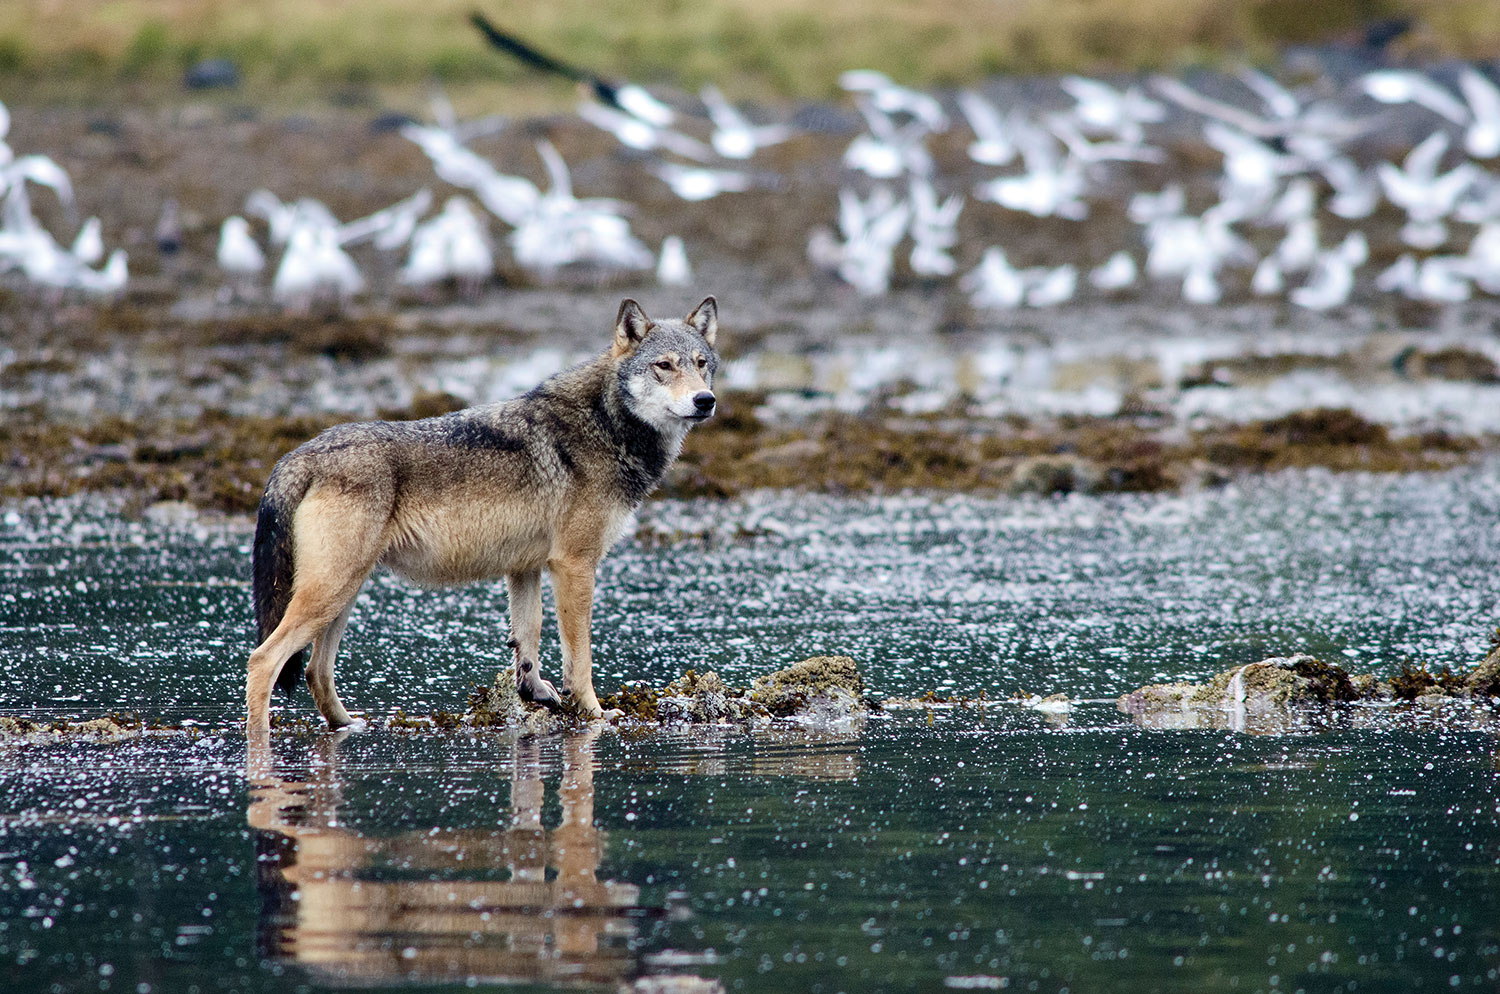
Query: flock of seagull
(1286, 176)
(1285, 171)
(28, 247)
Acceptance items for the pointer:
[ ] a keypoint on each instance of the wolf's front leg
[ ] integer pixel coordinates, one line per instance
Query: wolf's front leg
(526, 637)
(573, 584)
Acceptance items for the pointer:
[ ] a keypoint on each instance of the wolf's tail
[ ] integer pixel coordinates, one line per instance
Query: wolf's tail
(271, 581)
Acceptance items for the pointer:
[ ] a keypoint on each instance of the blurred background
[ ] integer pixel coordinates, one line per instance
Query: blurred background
(766, 50)
(1085, 245)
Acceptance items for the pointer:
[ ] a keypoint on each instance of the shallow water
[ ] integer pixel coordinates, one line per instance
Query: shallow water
(994, 849)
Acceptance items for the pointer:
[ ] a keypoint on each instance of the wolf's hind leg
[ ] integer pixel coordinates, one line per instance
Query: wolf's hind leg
(526, 637)
(302, 623)
(320, 672)
(337, 544)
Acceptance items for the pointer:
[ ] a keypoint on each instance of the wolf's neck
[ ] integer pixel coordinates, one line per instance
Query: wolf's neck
(644, 451)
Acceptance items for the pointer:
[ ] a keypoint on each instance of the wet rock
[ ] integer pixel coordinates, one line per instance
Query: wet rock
(1051, 704)
(496, 706)
(1267, 685)
(1485, 680)
(1278, 688)
(177, 514)
(673, 984)
(704, 699)
(1453, 363)
(822, 689)
(820, 685)
(112, 728)
(1279, 682)
(1157, 697)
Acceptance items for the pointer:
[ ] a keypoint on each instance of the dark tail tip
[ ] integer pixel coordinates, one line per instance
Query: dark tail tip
(271, 582)
(291, 673)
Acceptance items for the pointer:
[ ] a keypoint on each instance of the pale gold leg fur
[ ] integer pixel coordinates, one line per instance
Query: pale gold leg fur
(323, 589)
(320, 671)
(573, 585)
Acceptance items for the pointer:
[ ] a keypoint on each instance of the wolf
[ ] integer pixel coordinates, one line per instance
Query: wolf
(548, 480)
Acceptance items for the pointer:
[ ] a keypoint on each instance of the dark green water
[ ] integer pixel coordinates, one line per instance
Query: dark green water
(918, 852)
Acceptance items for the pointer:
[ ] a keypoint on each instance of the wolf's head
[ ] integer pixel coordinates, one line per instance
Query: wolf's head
(667, 367)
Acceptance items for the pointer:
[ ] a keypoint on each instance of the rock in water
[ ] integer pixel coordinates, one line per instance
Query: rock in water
(703, 699)
(1265, 685)
(1485, 680)
(496, 706)
(822, 687)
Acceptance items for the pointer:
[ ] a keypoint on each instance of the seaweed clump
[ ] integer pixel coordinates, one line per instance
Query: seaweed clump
(1418, 681)
(1324, 682)
(635, 702)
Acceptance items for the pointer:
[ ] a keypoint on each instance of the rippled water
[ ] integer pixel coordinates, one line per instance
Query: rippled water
(966, 849)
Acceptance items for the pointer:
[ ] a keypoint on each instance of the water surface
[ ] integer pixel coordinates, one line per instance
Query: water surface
(967, 849)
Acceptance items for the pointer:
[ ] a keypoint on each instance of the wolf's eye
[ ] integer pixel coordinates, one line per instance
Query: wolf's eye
(702, 362)
(664, 364)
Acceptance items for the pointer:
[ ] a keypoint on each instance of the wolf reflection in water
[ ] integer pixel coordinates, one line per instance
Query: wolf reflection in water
(443, 904)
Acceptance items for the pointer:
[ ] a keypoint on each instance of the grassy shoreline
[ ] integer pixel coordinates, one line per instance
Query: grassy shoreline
(771, 49)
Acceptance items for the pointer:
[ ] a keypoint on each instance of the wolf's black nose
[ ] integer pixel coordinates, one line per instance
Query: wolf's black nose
(704, 402)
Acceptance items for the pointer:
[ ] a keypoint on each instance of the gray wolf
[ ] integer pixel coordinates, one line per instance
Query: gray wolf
(550, 479)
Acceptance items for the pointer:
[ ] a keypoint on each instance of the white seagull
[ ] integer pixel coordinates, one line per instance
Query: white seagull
(1482, 137)
(994, 284)
(891, 98)
(1102, 109)
(1427, 196)
(642, 135)
(871, 228)
(1332, 277)
(1118, 272)
(992, 145)
(88, 246)
(1400, 86)
(888, 151)
(672, 267)
(699, 182)
(238, 255)
(933, 229)
(734, 137)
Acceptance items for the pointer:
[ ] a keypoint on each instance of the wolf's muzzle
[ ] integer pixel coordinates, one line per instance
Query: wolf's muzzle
(703, 403)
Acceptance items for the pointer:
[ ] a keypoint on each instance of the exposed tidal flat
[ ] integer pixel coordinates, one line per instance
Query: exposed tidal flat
(967, 847)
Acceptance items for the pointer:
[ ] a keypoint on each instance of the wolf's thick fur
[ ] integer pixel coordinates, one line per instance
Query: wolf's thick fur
(549, 479)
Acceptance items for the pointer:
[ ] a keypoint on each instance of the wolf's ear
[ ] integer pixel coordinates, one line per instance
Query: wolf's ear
(631, 325)
(705, 320)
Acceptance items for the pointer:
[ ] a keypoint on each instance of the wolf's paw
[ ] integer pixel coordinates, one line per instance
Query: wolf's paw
(354, 725)
(531, 687)
(613, 716)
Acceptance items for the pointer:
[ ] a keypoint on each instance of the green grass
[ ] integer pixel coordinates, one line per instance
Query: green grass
(767, 49)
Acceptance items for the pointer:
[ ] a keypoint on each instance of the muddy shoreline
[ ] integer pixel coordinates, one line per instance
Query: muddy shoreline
(220, 462)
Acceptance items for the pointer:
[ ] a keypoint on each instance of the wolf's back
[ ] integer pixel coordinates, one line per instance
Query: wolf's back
(272, 568)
